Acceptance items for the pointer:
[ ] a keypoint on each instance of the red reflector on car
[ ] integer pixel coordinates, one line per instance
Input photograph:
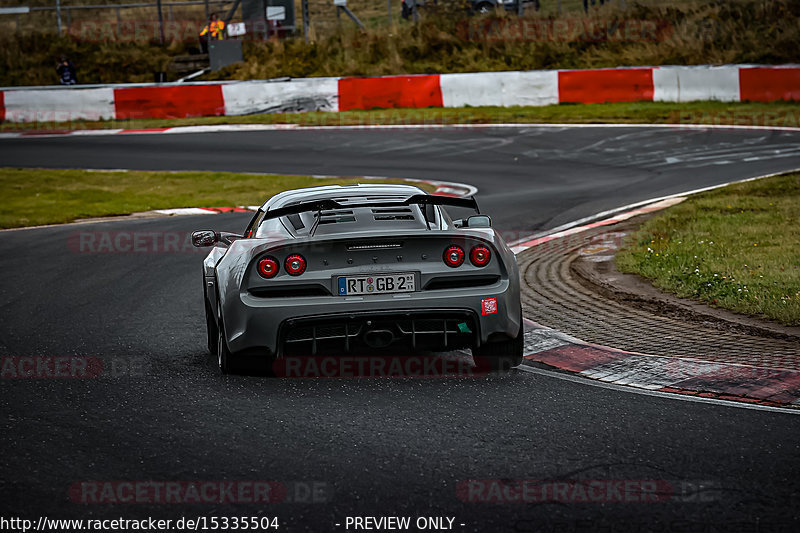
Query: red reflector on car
(454, 256)
(268, 267)
(295, 264)
(480, 256)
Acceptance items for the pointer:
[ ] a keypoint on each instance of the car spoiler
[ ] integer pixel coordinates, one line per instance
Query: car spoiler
(329, 204)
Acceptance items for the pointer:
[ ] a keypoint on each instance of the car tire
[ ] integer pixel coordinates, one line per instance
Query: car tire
(501, 356)
(237, 363)
(212, 332)
(228, 362)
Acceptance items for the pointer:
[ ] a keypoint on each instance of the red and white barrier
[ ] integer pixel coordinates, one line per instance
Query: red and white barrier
(173, 101)
(532, 88)
(731, 83)
(57, 105)
(310, 94)
(691, 84)
(390, 91)
(767, 84)
(608, 85)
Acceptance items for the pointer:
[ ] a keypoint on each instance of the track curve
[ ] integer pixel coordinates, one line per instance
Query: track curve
(552, 296)
(529, 177)
(379, 446)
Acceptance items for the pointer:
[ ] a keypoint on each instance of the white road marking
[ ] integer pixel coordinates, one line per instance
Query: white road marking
(278, 127)
(574, 225)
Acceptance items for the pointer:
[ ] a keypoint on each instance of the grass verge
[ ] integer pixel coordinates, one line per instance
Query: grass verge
(782, 114)
(737, 248)
(33, 197)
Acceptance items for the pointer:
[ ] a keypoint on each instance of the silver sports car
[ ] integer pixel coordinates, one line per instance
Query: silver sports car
(361, 269)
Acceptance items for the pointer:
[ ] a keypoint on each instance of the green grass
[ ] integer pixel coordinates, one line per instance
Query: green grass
(769, 114)
(34, 197)
(737, 248)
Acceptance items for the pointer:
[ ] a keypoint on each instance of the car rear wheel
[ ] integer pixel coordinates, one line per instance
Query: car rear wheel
(237, 362)
(227, 361)
(212, 331)
(501, 356)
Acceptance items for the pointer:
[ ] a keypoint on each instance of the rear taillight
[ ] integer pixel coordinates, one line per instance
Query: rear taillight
(480, 256)
(454, 256)
(295, 264)
(268, 267)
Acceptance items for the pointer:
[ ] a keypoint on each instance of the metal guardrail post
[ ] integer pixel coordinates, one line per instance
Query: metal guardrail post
(160, 22)
(266, 11)
(58, 15)
(304, 9)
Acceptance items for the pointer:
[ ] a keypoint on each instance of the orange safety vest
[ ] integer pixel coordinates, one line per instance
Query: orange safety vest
(216, 27)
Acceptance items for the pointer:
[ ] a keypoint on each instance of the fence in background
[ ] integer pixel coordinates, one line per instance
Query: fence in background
(52, 16)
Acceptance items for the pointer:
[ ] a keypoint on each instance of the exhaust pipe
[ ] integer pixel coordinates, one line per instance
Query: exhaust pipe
(378, 338)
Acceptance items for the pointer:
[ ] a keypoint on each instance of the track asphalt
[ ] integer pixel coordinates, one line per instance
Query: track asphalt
(372, 446)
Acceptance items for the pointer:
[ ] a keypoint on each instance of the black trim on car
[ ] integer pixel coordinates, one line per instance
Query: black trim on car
(289, 291)
(460, 282)
(429, 329)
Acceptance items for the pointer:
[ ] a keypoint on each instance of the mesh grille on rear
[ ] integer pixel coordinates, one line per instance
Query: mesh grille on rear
(393, 213)
(335, 217)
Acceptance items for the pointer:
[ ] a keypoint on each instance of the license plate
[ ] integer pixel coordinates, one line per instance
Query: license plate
(375, 284)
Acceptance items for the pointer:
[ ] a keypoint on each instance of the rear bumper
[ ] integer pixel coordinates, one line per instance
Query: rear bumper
(427, 320)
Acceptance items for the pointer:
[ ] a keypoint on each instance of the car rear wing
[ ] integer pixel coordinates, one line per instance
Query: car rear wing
(329, 204)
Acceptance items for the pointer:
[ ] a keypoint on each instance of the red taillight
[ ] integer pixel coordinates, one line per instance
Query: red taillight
(480, 256)
(295, 264)
(268, 267)
(454, 256)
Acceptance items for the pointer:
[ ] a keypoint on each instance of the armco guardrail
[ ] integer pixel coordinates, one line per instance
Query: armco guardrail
(731, 83)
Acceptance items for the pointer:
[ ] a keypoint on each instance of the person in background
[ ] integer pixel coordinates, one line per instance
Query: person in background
(66, 71)
(213, 30)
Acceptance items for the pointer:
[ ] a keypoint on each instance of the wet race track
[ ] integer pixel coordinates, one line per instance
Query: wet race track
(329, 449)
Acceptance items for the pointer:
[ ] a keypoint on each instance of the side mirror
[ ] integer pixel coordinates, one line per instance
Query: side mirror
(227, 238)
(204, 237)
(479, 221)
